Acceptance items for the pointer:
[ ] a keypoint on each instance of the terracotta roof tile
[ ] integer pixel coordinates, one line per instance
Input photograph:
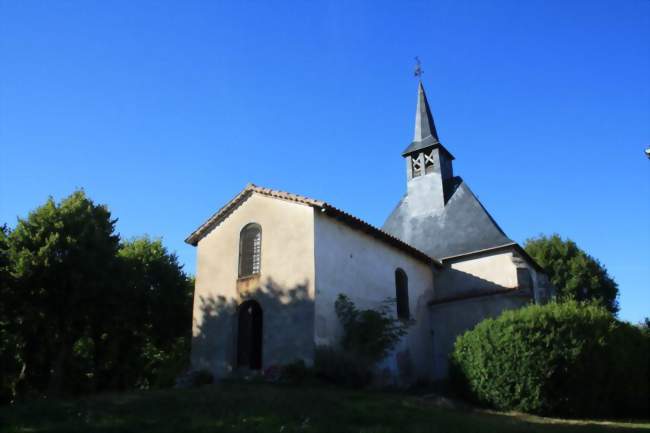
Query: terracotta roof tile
(326, 208)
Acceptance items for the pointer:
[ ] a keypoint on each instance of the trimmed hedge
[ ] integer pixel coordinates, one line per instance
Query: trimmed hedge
(568, 359)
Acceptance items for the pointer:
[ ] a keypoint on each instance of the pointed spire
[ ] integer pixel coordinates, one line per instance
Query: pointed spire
(424, 126)
(425, 135)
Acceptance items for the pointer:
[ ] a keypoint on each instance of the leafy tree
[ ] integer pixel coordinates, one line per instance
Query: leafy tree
(82, 311)
(5, 263)
(575, 274)
(159, 295)
(63, 259)
(644, 326)
(10, 344)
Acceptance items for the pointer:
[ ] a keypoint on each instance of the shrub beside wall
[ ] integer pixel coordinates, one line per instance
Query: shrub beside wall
(368, 337)
(567, 359)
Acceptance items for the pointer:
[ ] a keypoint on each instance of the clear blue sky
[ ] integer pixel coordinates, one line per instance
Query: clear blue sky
(165, 110)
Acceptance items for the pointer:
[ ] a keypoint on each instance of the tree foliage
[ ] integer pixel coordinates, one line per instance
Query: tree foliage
(64, 261)
(82, 310)
(160, 297)
(575, 274)
(567, 359)
(10, 342)
(644, 326)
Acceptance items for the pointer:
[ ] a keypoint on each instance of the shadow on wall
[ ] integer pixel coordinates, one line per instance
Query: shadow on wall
(452, 319)
(452, 282)
(287, 328)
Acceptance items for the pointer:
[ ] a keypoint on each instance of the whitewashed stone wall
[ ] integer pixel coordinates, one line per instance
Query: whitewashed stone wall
(285, 287)
(351, 262)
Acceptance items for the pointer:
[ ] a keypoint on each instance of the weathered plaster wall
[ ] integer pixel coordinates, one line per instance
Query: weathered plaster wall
(351, 262)
(474, 275)
(489, 271)
(451, 319)
(285, 287)
(480, 273)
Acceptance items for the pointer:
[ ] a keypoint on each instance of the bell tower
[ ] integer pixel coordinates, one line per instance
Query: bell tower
(439, 214)
(428, 162)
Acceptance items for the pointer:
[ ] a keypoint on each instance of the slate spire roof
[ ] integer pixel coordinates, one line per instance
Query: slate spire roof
(425, 134)
(424, 125)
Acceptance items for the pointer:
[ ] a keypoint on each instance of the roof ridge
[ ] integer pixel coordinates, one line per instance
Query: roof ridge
(198, 234)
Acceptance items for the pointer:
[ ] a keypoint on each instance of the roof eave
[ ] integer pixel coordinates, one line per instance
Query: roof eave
(472, 296)
(334, 212)
(417, 146)
(514, 245)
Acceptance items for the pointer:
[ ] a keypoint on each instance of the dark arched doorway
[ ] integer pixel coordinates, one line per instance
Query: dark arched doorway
(249, 335)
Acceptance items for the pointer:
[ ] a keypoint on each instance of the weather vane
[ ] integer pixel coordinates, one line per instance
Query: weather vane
(418, 68)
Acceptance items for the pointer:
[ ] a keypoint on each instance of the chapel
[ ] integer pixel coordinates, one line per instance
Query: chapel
(270, 265)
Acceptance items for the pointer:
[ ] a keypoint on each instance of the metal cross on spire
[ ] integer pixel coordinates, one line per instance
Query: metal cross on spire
(418, 68)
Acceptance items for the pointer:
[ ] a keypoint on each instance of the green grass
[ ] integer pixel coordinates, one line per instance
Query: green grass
(237, 407)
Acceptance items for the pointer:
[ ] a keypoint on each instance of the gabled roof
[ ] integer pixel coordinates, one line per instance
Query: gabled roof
(325, 208)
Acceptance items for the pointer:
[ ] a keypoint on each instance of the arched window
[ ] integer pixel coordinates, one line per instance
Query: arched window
(250, 250)
(402, 294)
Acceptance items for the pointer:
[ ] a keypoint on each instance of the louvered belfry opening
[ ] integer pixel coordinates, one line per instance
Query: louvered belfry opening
(250, 250)
(422, 163)
(249, 335)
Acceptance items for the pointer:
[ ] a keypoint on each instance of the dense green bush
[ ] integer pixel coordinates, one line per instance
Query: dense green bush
(567, 359)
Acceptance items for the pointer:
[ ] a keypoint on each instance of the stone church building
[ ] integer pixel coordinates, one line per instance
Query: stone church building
(270, 265)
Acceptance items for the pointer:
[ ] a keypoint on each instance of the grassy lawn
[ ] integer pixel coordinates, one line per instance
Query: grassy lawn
(235, 407)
